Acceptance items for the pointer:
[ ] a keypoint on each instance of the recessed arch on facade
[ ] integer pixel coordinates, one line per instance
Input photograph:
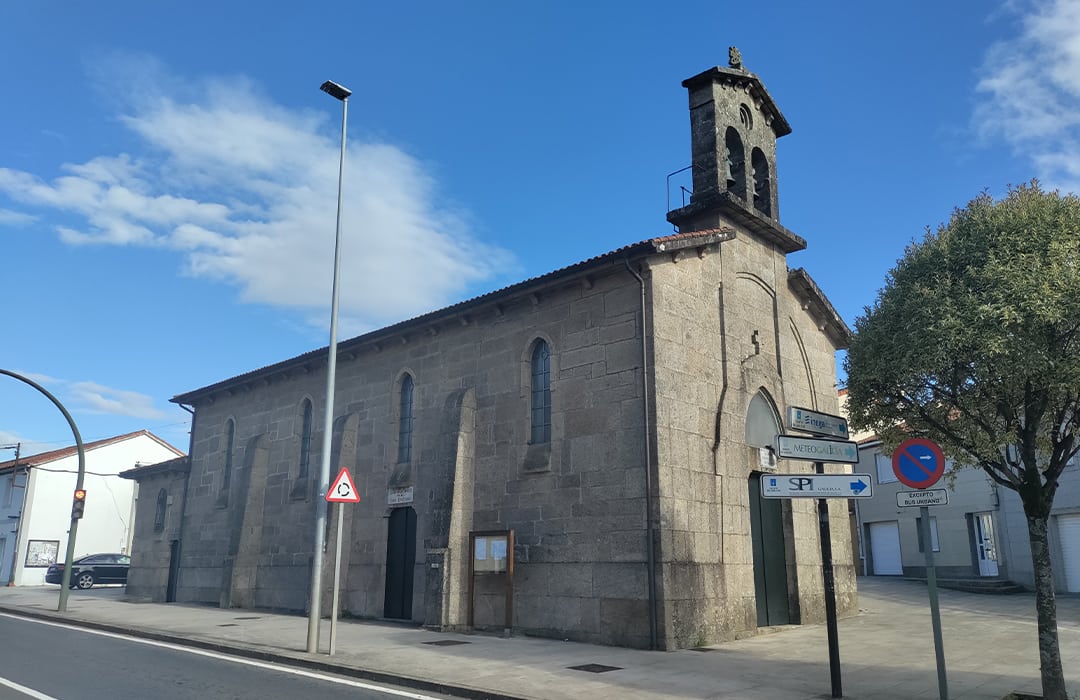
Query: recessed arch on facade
(806, 367)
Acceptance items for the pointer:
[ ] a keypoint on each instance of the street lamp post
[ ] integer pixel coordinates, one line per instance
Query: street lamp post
(341, 93)
(73, 528)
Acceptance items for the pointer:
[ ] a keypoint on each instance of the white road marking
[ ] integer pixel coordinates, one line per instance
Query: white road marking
(214, 655)
(25, 691)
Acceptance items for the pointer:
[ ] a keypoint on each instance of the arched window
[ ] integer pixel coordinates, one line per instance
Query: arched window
(159, 514)
(305, 441)
(762, 182)
(230, 438)
(541, 393)
(736, 163)
(746, 118)
(762, 427)
(405, 420)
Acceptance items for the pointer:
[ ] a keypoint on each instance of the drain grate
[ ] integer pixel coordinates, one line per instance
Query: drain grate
(446, 643)
(250, 617)
(702, 649)
(229, 624)
(594, 668)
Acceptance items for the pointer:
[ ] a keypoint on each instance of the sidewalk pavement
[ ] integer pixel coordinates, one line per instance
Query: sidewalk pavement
(886, 651)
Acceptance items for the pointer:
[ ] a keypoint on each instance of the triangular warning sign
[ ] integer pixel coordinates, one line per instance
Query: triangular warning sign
(343, 490)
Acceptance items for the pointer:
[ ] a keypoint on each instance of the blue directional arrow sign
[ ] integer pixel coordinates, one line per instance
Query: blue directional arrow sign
(816, 486)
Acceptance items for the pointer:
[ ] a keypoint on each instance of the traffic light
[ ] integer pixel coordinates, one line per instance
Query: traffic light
(79, 504)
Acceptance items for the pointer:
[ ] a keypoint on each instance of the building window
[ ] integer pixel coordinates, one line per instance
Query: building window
(541, 393)
(305, 442)
(746, 117)
(405, 421)
(885, 472)
(933, 533)
(230, 438)
(159, 514)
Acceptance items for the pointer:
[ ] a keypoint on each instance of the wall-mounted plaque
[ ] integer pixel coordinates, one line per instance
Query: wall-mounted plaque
(489, 554)
(42, 552)
(399, 496)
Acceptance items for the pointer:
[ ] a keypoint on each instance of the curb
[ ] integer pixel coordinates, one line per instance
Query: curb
(286, 659)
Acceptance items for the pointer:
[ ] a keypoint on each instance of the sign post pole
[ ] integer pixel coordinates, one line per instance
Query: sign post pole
(342, 491)
(340, 507)
(935, 614)
(919, 463)
(834, 447)
(830, 591)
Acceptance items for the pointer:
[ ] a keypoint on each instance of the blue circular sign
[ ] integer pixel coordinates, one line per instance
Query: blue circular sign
(918, 463)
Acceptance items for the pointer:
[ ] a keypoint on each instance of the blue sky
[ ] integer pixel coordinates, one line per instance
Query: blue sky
(168, 171)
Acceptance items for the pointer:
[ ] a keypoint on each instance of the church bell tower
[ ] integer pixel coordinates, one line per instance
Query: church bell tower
(734, 125)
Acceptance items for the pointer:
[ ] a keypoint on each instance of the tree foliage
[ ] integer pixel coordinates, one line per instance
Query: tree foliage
(975, 342)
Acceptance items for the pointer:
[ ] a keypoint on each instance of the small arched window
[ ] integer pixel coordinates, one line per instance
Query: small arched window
(305, 440)
(762, 182)
(159, 513)
(746, 117)
(405, 420)
(736, 163)
(762, 426)
(541, 393)
(230, 439)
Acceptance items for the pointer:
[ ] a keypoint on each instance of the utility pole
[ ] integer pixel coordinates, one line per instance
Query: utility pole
(22, 508)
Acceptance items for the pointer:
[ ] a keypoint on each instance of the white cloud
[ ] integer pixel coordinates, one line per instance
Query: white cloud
(19, 218)
(245, 190)
(1031, 89)
(96, 398)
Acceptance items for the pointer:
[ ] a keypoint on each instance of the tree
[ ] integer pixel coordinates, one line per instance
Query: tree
(974, 342)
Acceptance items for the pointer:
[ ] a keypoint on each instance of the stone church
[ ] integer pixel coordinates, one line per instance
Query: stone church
(614, 414)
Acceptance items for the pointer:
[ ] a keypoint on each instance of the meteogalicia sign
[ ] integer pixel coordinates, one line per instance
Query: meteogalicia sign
(817, 449)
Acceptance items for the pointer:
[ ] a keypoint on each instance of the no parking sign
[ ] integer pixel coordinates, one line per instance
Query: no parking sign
(918, 463)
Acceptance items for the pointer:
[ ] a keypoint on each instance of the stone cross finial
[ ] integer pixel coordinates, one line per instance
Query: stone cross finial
(734, 58)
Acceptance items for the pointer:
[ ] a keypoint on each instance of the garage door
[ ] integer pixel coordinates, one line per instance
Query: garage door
(1069, 536)
(885, 548)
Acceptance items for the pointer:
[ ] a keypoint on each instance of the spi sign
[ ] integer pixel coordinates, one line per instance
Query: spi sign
(918, 463)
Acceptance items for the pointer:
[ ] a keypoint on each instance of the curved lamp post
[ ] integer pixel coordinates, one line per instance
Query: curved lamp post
(341, 93)
(65, 581)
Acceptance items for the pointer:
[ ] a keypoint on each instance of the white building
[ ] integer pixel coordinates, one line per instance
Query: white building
(980, 535)
(36, 497)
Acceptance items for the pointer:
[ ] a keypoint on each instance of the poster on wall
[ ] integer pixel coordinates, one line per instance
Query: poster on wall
(41, 552)
(489, 552)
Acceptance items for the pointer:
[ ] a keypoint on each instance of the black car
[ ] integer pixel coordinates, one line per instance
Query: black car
(91, 569)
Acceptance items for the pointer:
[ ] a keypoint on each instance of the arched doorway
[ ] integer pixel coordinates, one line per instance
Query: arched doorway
(766, 519)
(400, 563)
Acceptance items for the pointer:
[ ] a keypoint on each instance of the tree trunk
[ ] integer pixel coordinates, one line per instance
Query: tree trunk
(1053, 678)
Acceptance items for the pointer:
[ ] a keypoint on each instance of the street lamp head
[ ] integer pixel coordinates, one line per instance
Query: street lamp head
(334, 90)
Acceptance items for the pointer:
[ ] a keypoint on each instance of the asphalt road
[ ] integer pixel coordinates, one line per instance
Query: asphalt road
(48, 661)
